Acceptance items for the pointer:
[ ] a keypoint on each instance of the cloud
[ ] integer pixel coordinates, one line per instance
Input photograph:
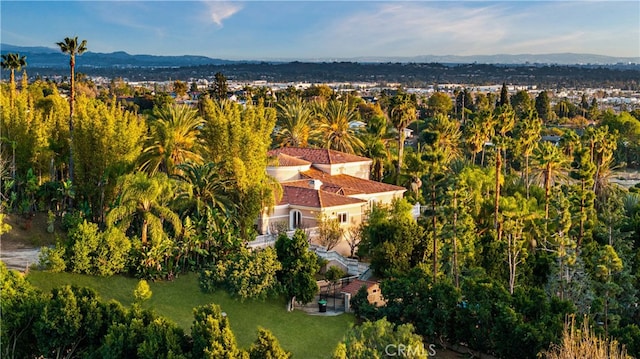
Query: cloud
(418, 28)
(218, 11)
(466, 28)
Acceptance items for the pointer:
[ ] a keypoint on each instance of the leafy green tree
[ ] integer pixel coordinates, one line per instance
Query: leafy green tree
(107, 142)
(112, 254)
(459, 232)
(142, 291)
(267, 346)
(144, 199)
(299, 267)
(583, 170)
(360, 305)
(329, 231)
(504, 96)
(69, 323)
(71, 47)
(522, 104)
(442, 147)
(174, 139)
(143, 334)
(237, 138)
(392, 240)
(439, 103)
(220, 87)
(381, 339)
(464, 105)
(212, 335)
(416, 299)
(84, 244)
(543, 106)
(609, 263)
(517, 216)
(20, 308)
(248, 275)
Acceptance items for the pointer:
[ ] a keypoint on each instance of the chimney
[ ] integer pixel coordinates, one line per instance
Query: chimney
(315, 184)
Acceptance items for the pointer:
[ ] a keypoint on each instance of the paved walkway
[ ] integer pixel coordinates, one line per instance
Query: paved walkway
(20, 259)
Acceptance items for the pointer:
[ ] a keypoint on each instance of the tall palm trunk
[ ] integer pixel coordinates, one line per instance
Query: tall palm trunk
(526, 173)
(72, 64)
(145, 230)
(434, 220)
(12, 88)
(547, 190)
(400, 154)
(497, 202)
(582, 205)
(455, 239)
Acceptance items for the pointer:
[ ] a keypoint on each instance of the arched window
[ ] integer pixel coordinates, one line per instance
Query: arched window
(295, 219)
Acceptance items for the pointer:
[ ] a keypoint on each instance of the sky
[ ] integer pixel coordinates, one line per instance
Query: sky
(267, 30)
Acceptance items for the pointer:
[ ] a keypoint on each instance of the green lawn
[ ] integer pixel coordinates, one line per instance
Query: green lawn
(304, 335)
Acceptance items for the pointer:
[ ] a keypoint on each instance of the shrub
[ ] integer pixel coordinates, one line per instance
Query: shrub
(52, 259)
(583, 343)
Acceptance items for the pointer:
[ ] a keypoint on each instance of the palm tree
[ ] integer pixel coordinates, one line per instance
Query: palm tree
(13, 62)
(505, 120)
(72, 47)
(528, 138)
(550, 162)
(475, 139)
(447, 137)
(375, 147)
(401, 112)
(334, 130)
(486, 123)
(174, 139)
(145, 199)
(294, 123)
(207, 187)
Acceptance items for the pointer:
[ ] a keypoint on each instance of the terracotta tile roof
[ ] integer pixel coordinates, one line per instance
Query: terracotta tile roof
(353, 287)
(282, 159)
(309, 197)
(351, 185)
(318, 155)
(304, 183)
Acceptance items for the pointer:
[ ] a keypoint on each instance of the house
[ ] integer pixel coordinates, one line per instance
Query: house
(319, 183)
(374, 294)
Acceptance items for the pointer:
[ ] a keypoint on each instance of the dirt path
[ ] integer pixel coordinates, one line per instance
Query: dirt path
(20, 247)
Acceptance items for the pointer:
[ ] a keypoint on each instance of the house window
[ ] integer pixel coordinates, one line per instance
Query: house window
(342, 217)
(295, 219)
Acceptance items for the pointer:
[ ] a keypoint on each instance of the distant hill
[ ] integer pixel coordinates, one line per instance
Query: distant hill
(411, 72)
(506, 59)
(46, 57)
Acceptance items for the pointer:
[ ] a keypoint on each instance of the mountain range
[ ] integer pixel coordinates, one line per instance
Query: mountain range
(46, 57)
